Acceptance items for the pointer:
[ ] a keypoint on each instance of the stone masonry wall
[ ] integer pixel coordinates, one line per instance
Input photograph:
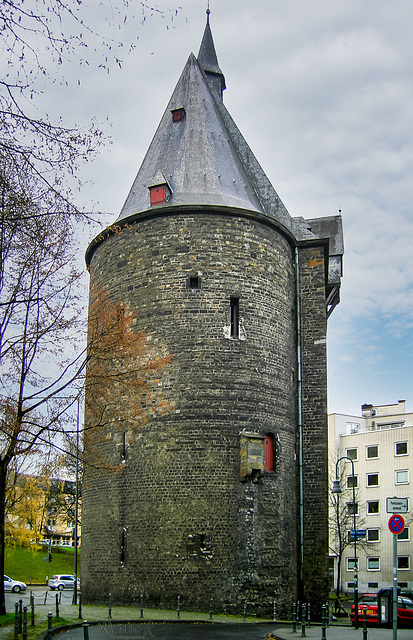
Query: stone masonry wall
(315, 447)
(187, 524)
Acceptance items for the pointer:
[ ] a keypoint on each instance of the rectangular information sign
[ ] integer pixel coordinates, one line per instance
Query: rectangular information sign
(397, 505)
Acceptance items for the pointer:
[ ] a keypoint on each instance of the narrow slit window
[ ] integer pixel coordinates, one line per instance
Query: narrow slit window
(234, 317)
(123, 545)
(123, 452)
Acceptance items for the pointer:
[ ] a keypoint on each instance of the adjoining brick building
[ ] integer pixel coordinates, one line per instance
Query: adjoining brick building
(224, 494)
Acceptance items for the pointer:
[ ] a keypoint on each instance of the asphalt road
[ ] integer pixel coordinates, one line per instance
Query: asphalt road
(175, 631)
(42, 595)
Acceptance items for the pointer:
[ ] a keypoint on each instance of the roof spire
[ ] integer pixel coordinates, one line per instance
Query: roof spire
(208, 61)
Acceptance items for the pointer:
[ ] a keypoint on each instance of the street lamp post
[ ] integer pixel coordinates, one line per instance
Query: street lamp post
(337, 489)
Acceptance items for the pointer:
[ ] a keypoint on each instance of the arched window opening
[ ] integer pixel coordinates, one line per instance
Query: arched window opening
(269, 452)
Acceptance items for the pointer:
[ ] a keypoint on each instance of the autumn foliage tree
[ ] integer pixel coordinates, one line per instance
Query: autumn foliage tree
(122, 390)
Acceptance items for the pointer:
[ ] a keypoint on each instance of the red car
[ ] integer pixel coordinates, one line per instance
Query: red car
(369, 600)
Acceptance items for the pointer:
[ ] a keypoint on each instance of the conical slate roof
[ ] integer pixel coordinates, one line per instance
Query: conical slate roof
(203, 157)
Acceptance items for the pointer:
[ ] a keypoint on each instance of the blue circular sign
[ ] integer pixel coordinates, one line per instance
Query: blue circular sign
(396, 524)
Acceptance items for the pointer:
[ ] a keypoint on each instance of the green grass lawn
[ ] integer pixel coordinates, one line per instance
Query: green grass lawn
(30, 566)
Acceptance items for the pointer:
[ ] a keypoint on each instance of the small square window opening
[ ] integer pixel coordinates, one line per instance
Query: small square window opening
(404, 535)
(402, 477)
(194, 282)
(372, 451)
(372, 479)
(352, 481)
(373, 535)
(178, 114)
(401, 449)
(351, 453)
(373, 507)
(373, 564)
(403, 562)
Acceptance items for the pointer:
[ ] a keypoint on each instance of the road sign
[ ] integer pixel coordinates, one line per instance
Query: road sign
(396, 523)
(358, 534)
(397, 505)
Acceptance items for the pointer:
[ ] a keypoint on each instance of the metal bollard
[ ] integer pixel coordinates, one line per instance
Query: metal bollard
(245, 610)
(57, 606)
(294, 617)
(211, 603)
(110, 607)
(141, 605)
(80, 606)
(303, 621)
(16, 621)
(24, 632)
(20, 615)
(308, 615)
(32, 607)
(178, 607)
(49, 626)
(274, 611)
(364, 622)
(85, 626)
(323, 622)
(45, 597)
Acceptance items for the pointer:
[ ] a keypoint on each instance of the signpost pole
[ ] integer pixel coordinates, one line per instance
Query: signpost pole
(396, 526)
(394, 586)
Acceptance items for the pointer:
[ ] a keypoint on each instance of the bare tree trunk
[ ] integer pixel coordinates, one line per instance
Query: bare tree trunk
(3, 478)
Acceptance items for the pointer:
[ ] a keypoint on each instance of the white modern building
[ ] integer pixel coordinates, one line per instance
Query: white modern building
(379, 444)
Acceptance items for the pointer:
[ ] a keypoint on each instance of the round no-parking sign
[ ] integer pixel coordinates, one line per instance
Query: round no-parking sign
(396, 524)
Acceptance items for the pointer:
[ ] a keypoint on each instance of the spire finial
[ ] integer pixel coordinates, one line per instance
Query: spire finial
(208, 11)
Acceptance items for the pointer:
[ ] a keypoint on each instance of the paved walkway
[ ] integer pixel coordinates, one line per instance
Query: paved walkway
(113, 630)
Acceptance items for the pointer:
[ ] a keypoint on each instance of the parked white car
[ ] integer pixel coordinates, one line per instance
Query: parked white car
(62, 582)
(13, 585)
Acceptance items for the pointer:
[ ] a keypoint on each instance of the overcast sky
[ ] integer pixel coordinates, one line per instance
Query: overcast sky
(322, 91)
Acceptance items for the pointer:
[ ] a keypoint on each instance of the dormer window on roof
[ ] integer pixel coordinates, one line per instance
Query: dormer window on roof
(160, 192)
(178, 114)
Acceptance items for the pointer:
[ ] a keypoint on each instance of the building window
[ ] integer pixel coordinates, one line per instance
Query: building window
(373, 535)
(373, 563)
(194, 282)
(123, 448)
(234, 317)
(401, 449)
(269, 452)
(352, 453)
(352, 481)
(403, 563)
(351, 508)
(352, 427)
(402, 477)
(158, 194)
(373, 507)
(351, 564)
(350, 585)
(123, 545)
(178, 114)
(404, 535)
(372, 451)
(373, 585)
(372, 479)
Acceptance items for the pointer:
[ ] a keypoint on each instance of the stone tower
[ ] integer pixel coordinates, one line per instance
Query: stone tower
(223, 493)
